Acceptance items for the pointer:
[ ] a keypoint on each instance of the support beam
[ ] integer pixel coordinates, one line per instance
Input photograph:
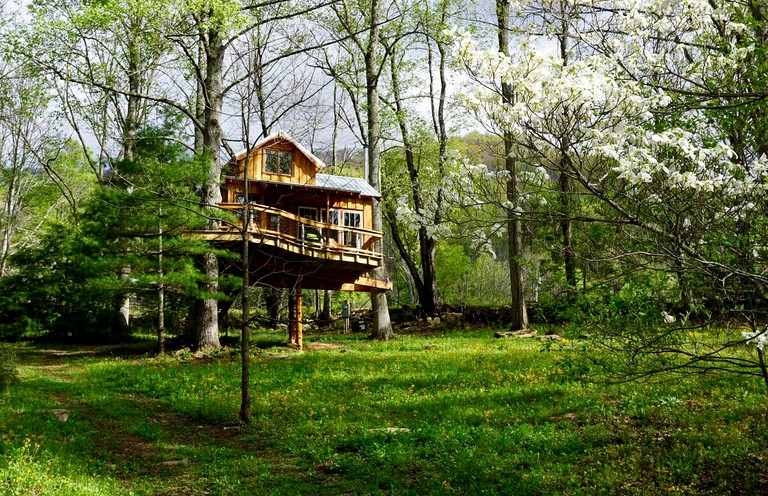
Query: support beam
(367, 284)
(292, 316)
(299, 325)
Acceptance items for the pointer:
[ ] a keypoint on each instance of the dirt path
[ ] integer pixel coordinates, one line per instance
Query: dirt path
(153, 444)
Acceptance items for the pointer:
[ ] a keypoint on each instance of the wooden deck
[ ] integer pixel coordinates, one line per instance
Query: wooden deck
(286, 248)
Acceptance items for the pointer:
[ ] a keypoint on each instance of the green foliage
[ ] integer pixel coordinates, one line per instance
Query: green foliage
(8, 370)
(60, 289)
(453, 268)
(70, 285)
(483, 280)
(31, 471)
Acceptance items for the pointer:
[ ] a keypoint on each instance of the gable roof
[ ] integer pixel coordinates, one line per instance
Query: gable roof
(322, 181)
(280, 136)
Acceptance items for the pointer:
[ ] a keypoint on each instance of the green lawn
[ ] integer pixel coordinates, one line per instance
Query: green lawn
(461, 413)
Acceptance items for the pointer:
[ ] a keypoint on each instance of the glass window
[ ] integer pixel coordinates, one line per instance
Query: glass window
(278, 162)
(308, 213)
(330, 217)
(352, 219)
(273, 222)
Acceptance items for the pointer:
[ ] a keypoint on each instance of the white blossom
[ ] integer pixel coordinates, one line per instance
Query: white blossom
(757, 338)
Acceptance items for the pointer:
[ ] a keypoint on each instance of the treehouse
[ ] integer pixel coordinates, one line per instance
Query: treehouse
(306, 230)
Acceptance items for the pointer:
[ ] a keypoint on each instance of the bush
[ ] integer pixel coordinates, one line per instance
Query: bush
(8, 371)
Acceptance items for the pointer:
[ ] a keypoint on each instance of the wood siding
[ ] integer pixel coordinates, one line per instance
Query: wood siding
(290, 197)
(302, 170)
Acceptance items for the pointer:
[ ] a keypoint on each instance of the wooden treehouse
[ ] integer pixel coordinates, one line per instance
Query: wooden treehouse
(307, 230)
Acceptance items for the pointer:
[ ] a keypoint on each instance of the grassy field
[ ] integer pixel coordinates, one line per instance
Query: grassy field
(459, 413)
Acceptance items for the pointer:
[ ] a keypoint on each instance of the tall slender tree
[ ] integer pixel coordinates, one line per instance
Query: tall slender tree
(514, 223)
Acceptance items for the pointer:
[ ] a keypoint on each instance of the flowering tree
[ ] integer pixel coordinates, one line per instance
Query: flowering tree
(657, 120)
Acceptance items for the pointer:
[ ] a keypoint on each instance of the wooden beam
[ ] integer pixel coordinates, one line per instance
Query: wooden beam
(299, 325)
(291, 317)
(367, 284)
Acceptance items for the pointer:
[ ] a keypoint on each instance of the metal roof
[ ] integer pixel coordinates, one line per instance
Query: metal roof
(326, 182)
(350, 184)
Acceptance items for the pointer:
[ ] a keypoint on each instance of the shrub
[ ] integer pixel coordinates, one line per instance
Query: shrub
(8, 371)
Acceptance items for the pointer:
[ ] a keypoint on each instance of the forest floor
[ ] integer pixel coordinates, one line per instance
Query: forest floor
(440, 412)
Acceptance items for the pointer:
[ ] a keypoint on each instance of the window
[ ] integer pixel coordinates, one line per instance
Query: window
(308, 213)
(278, 162)
(331, 217)
(352, 219)
(273, 222)
(308, 232)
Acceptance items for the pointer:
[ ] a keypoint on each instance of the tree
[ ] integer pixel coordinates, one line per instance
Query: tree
(651, 142)
(67, 286)
(195, 41)
(415, 200)
(355, 28)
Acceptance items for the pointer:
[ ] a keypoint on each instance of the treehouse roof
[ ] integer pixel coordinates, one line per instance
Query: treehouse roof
(347, 184)
(280, 136)
(313, 179)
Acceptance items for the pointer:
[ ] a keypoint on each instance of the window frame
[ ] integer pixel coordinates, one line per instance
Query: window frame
(281, 158)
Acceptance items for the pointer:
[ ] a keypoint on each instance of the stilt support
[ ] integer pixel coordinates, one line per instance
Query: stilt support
(299, 318)
(292, 317)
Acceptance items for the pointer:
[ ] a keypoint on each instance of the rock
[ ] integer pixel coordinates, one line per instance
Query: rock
(551, 337)
(429, 320)
(453, 318)
(524, 333)
(171, 463)
(282, 356)
(390, 430)
(566, 417)
(61, 414)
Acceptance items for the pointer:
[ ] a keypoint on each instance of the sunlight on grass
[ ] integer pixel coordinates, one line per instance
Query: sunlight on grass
(456, 413)
(31, 471)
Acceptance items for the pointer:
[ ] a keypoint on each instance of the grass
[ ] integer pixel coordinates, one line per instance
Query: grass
(459, 413)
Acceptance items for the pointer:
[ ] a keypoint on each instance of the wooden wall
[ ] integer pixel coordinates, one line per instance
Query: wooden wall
(291, 198)
(302, 172)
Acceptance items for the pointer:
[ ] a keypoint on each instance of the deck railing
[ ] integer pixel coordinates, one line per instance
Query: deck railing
(275, 222)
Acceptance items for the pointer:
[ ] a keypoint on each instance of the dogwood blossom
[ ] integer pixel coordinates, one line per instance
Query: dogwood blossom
(757, 338)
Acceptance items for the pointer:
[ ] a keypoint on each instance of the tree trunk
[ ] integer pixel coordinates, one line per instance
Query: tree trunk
(206, 311)
(326, 313)
(273, 298)
(245, 340)
(160, 290)
(124, 306)
(566, 225)
(382, 326)
(514, 225)
(566, 229)
(130, 131)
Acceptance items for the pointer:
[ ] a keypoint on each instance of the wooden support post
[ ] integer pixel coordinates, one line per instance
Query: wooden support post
(299, 325)
(291, 316)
